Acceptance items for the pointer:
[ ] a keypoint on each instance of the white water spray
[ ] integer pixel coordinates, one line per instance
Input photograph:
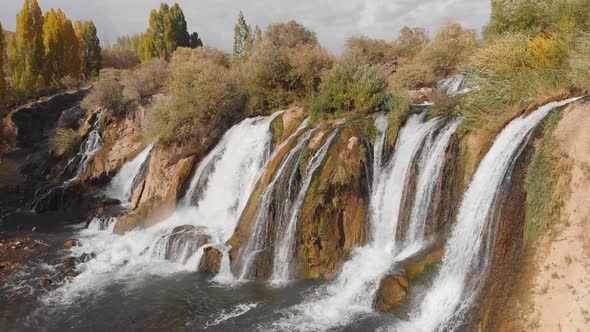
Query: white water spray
(121, 186)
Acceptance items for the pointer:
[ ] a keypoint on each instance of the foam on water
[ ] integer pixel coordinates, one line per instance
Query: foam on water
(121, 186)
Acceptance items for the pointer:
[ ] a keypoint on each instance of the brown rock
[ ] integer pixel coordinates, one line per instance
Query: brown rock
(45, 282)
(392, 290)
(71, 243)
(211, 260)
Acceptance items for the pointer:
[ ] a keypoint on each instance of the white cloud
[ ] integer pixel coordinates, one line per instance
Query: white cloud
(333, 20)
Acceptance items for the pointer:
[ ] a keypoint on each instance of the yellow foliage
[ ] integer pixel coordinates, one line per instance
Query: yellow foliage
(547, 51)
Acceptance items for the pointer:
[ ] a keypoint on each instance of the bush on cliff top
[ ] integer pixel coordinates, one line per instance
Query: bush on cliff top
(108, 93)
(204, 95)
(351, 85)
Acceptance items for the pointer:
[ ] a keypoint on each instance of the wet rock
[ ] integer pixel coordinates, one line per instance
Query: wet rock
(68, 263)
(45, 282)
(392, 290)
(184, 242)
(111, 201)
(211, 260)
(70, 243)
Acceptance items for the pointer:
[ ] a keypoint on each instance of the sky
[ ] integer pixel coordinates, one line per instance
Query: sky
(334, 21)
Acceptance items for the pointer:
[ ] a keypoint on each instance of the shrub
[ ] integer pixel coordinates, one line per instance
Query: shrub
(119, 59)
(410, 41)
(204, 95)
(65, 142)
(451, 47)
(290, 35)
(399, 110)
(266, 78)
(145, 80)
(376, 51)
(412, 76)
(352, 85)
(108, 93)
(580, 64)
(443, 104)
(308, 63)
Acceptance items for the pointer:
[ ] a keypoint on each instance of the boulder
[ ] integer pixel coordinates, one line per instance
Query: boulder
(70, 243)
(392, 290)
(211, 260)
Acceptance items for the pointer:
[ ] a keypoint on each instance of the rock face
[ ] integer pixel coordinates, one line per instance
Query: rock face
(393, 289)
(334, 213)
(211, 260)
(183, 243)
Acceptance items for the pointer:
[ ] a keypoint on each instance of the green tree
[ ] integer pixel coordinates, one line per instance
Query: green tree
(167, 31)
(26, 48)
(410, 41)
(242, 39)
(195, 40)
(91, 51)
(3, 85)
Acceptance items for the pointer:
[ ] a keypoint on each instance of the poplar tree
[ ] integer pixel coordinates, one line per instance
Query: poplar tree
(167, 31)
(3, 86)
(62, 48)
(242, 39)
(195, 40)
(91, 51)
(79, 32)
(26, 48)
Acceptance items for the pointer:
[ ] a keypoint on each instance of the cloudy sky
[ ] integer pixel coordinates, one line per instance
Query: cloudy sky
(333, 20)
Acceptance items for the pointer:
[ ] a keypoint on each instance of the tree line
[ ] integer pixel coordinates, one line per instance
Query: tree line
(46, 49)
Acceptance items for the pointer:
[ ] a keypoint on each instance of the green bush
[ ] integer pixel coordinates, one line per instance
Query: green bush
(412, 76)
(65, 142)
(399, 110)
(352, 85)
(443, 104)
(204, 95)
(108, 93)
(376, 51)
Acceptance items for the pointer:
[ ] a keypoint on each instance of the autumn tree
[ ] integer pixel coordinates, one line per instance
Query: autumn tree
(375, 50)
(290, 34)
(3, 86)
(26, 48)
(61, 46)
(167, 30)
(242, 39)
(410, 41)
(91, 51)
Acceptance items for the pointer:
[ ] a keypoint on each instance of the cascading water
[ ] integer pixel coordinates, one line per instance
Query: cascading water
(454, 85)
(121, 186)
(89, 147)
(353, 292)
(257, 240)
(431, 162)
(451, 295)
(284, 240)
(230, 179)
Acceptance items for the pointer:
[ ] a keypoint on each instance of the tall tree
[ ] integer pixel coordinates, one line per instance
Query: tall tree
(26, 48)
(62, 48)
(167, 30)
(79, 31)
(242, 39)
(3, 85)
(91, 51)
(195, 40)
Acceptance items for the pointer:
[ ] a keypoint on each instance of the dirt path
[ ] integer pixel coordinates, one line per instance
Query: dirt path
(560, 300)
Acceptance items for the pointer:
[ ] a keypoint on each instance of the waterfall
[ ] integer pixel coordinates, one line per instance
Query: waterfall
(227, 183)
(430, 165)
(453, 291)
(284, 241)
(353, 291)
(257, 240)
(454, 85)
(91, 145)
(122, 185)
